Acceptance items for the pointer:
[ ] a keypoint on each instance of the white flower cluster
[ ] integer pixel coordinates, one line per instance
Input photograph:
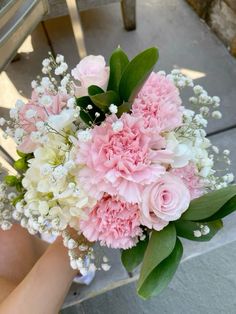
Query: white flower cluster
(58, 64)
(54, 197)
(80, 253)
(179, 79)
(189, 142)
(54, 66)
(12, 127)
(6, 208)
(202, 231)
(205, 103)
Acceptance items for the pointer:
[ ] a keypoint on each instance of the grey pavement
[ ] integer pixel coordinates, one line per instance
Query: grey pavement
(203, 284)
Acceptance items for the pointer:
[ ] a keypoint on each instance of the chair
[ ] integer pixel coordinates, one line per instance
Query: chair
(72, 7)
(18, 18)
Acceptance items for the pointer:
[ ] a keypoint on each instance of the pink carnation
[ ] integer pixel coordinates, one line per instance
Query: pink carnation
(120, 162)
(164, 201)
(41, 113)
(190, 178)
(113, 222)
(159, 103)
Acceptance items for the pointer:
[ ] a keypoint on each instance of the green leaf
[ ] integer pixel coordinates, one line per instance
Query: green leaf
(118, 63)
(185, 229)
(83, 102)
(21, 154)
(160, 277)
(208, 204)
(17, 199)
(137, 72)
(131, 258)
(161, 244)
(88, 116)
(94, 90)
(104, 100)
(225, 210)
(20, 164)
(11, 180)
(125, 107)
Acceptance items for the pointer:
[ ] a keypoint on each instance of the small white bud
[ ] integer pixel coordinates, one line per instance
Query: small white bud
(72, 244)
(84, 135)
(117, 126)
(106, 267)
(197, 233)
(113, 108)
(46, 62)
(34, 84)
(30, 114)
(73, 264)
(2, 121)
(205, 230)
(226, 152)
(105, 259)
(59, 58)
(215, 149)
(216, 114)
(216, 99)
(71, 102)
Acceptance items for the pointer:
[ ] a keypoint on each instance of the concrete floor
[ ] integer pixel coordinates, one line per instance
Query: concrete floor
(205, 284)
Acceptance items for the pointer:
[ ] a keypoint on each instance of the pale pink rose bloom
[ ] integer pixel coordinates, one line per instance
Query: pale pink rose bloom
(120, 163)
(189, 176)
(113, 222)
(91, 70)
(159, 103)
(41, 114)
(164, 201)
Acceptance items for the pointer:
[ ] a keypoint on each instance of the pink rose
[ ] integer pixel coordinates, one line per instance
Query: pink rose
(120, 162)
(159, 104)
(91, 70)
(164, 201)
(113, 222)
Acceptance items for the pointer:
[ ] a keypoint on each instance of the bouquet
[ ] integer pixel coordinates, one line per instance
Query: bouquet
(112, 153)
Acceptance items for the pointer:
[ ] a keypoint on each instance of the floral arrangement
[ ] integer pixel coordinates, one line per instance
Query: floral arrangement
(112, 153)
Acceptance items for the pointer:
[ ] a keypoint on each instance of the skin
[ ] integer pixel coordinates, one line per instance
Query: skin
(34, 277)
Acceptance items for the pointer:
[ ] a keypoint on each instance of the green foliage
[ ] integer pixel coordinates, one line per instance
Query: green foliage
(160, 246)
(17, 199)
(88, 116)
(11, 180)
(21, 154)
(137, 72)
(104, 100)
(94, 90)
(185, 229)
(124, 81)
(209, 204)
(118, 63)
(131, 258)
(162, 274)
(21, 164)
(225, 210)
(125, 107)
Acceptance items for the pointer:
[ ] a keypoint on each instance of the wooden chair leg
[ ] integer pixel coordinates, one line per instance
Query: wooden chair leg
(128, 8)
(77, 27)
